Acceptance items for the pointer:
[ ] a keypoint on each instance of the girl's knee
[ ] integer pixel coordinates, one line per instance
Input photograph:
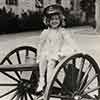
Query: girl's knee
(51, 63)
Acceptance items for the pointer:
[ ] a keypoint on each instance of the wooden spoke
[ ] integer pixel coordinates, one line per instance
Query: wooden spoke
(9, 61)
(16, 72)
(65, 70)
(85, 76)
(9, 92)
(18, 57)
(74, 62)
(89, 82)
(73, 70)
(73, 74)
(18, 97)
(15, 94)
(80, 72)
(27, 52)
(22, 97)
(26, 97)
(59, 83)
(62, 87)
(61, 97)
(7, 84)
(86, 96)
(30, 96)
(11, 77)
(91, 90)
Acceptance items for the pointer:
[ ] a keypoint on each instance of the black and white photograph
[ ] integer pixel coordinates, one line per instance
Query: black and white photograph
(49, 50)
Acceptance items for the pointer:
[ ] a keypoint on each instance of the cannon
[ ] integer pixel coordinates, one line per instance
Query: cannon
(76, 77)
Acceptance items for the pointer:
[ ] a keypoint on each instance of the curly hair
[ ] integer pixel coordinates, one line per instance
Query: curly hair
(54, 10)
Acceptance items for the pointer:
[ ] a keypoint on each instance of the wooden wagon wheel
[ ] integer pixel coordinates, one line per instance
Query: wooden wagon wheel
(75, 78)
(15, 85)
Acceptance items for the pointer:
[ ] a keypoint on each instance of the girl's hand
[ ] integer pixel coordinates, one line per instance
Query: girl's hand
(61, 57)
(52, 63)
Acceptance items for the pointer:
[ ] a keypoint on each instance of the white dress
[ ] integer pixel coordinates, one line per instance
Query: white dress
(53, 42)
(56, 42)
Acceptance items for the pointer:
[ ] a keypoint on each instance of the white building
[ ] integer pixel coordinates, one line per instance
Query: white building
(97, 15)
(19, 5)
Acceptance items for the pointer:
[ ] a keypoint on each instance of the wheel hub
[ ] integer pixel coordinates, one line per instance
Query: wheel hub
(77, 97)
(24, 86)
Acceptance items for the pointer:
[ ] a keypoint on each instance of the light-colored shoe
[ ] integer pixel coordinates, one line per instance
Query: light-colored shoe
(41, 85)
(40, 88)
(40, 97)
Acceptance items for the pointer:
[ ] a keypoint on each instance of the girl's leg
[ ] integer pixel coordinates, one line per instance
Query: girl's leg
(50, 65)
(50, 69)
(42, 69)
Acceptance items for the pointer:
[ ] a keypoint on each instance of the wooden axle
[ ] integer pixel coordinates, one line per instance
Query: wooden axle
(18, 67)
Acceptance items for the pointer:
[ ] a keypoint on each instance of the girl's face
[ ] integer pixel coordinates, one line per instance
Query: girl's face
(54, 21)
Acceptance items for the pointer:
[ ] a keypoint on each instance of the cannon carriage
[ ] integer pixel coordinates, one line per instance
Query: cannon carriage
(76, 77)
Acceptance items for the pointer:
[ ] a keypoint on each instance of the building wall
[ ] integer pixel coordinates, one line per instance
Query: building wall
(25, 5)
(22, 5)
(97, 15)
(2, 3)
(49, 2)
(30, 4)
(66, 3)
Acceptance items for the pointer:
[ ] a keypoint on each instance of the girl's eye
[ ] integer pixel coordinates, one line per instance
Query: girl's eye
(55, 18)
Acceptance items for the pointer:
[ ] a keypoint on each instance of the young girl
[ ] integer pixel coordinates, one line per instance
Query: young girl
(55, 43)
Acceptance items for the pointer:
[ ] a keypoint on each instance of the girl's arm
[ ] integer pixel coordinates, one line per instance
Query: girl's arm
(69, 46)
(72, 43)
(42, 41)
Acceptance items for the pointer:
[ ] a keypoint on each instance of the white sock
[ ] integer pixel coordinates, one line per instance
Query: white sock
(41, 84)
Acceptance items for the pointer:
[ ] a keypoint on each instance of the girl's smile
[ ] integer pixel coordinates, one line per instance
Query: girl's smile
(55, 21)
